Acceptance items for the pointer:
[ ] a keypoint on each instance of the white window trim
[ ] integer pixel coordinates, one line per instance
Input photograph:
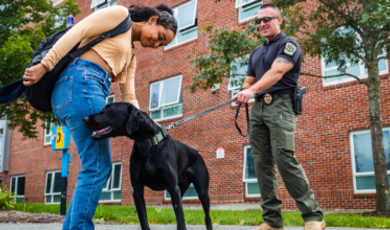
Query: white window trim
(243, 4)
(166, 106)
(356, 174)
(3, 125)
(96, 4)
(56, 2)
(112, 190)
(46, 135)
(52, 186)
(184, 198)
(362, 70)
(234, 89)
(105, 2)
(110, 96)
(195, 13)
(248, 181)
(175, 9)
(240, 9)
(16, 184)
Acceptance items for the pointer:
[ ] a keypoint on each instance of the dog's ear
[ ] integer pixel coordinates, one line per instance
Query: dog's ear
(133, 123)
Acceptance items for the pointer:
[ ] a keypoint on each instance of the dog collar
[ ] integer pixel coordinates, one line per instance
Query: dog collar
(154, 140)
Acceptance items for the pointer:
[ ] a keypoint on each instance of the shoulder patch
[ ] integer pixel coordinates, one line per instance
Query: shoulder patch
(290, 49)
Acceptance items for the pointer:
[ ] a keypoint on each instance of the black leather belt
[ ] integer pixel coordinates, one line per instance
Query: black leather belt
(278, 95)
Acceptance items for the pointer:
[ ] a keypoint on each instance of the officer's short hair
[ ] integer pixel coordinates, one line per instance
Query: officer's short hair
(269, 5)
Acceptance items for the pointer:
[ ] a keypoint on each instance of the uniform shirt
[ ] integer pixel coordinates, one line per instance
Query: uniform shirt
(261, 59)
(116, 51)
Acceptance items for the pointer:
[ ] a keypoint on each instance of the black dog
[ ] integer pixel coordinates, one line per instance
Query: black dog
(157, 160)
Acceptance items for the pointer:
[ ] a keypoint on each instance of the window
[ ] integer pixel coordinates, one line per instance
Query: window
(55, 2)
(100, 4)
(17, 187)
(112, 187)
(187, 26)
(188, 195)
(238, 74)
(362, 159)
(165, 99)
(53, 187)
(247, 9)
(1, 180)
(357, 70)
(110, 99)
(3, 130)
(249, 174)
(48, 133)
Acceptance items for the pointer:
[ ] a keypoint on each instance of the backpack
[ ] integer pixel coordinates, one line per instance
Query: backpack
(39, 94)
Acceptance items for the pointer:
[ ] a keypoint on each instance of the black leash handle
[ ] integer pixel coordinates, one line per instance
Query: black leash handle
(247, 119)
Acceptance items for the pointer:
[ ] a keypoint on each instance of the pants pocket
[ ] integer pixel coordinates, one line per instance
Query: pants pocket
(97, 83)
(286, 131)
(62, 94)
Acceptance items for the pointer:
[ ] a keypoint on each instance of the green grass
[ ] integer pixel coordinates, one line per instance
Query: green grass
(125, 215)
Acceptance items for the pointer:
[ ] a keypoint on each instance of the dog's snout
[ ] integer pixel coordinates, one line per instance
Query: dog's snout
(86, 119)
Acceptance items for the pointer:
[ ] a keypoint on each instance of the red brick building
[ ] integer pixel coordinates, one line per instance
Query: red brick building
(332, 139)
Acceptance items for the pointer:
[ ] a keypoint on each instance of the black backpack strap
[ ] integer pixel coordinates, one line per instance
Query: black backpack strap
(121, 28)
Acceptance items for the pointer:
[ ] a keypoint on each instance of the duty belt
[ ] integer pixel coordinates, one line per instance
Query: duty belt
(278, 95)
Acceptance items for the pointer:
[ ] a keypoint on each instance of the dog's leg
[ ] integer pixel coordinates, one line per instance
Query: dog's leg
(201, 184)
(138, 196)
(177, 207)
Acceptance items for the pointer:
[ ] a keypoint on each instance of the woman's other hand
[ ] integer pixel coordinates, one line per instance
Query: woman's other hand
(33, 74)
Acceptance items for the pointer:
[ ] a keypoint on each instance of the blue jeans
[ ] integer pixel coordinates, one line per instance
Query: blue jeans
(81, 91)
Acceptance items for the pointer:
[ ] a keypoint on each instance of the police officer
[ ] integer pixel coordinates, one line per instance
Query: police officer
(273, 72)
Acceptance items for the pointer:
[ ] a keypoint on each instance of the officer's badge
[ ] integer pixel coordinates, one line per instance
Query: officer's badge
(290, 49)
(268, 99)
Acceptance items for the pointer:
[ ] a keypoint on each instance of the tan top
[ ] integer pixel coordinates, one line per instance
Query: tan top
(116, 51)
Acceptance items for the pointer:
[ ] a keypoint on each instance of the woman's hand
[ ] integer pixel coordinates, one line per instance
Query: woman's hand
(33, 74)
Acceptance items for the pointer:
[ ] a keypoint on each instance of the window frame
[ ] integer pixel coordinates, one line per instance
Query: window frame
(242, 8)
(52, 187)
(353, 163)
(56, 2)
(110, 182)
(362, 70)
(16, 185)
(248, 181)
(184, 198)
(47, 135)
(105, 3)
(235, 90)
(186, 29)
(169, 105)
(110, 96)
(3, 125)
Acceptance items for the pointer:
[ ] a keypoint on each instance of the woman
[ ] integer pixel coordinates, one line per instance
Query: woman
(84, 85)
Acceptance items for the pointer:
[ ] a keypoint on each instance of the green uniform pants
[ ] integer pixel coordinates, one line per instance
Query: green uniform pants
(272, 129)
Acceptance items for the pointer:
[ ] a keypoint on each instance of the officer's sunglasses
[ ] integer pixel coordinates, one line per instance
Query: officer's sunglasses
(265, 19)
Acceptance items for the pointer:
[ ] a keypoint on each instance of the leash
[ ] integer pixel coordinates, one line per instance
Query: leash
(180, 122)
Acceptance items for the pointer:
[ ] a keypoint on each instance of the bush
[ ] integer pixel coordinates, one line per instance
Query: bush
(6, 198)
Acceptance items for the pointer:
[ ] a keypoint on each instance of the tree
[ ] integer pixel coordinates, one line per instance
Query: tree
(346, 32)
(23, 25)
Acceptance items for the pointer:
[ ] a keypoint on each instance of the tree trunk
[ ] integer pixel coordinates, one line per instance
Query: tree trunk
(378, 151)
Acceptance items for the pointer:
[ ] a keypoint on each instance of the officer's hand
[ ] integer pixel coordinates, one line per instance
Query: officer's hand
(244, 96)
(33, 74)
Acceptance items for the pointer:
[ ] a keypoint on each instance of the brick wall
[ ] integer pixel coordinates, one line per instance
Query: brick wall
(322, 137)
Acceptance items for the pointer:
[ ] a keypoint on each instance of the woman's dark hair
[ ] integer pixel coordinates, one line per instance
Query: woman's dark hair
(141, 13)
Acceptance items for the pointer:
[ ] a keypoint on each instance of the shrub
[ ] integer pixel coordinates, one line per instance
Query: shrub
(6, 198)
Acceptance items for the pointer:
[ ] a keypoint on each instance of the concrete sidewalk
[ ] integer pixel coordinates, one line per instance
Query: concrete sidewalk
(152, 227)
